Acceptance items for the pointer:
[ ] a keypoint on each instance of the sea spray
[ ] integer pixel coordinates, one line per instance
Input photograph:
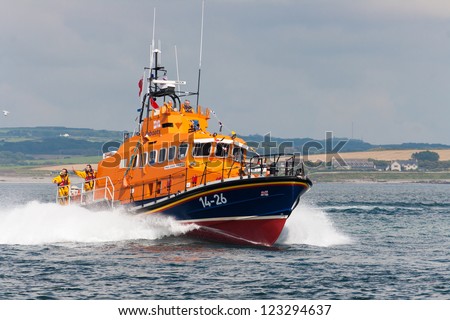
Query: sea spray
(312, 226)
(41, 223)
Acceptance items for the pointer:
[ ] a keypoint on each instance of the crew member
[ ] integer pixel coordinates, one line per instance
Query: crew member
(63, 183)
(88, 175)
(187, 106)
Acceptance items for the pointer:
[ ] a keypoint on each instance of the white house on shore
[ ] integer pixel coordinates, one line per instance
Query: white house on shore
(402, 165)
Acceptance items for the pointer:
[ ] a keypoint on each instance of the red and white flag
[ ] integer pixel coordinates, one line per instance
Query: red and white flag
(153, 103)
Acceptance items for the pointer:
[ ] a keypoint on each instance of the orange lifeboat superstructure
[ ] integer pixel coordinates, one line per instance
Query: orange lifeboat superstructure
(172, 153)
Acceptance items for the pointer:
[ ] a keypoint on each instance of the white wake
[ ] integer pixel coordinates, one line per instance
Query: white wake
(311, 226)
(43, 223)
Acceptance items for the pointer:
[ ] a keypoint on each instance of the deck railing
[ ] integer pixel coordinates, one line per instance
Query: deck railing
(275, 165)
(103, 191)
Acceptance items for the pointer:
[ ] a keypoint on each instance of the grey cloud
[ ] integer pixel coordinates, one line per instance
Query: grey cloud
(296, 68)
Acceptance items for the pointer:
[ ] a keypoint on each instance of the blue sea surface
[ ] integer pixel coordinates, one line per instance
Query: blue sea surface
(344, 241)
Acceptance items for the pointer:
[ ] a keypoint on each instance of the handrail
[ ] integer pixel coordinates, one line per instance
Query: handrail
(280, 164)
(76, 193)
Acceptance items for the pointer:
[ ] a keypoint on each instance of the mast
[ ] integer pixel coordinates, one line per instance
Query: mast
(152, 46)
(147, 96)
(163, 87)
(201, 49)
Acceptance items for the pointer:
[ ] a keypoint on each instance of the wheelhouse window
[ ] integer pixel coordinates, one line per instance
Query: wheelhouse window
(238, 153)
(172, 152)
(143, 159)
(182, 151)
(152, 157)
(162, 155)
(202, 149)
(222, 150)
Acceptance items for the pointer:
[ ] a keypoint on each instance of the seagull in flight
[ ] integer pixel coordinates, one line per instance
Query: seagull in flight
(5, 112)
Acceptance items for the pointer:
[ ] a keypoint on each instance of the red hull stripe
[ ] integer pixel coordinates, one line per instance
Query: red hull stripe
(175, 203)
(263, 232)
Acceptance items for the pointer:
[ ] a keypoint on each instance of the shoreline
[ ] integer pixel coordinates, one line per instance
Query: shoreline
(19, 179)
(47, 176)
(43, 180)
(394, 181)
(36, 175)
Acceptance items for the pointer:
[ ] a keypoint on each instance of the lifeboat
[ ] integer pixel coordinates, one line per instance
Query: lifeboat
(172, 165)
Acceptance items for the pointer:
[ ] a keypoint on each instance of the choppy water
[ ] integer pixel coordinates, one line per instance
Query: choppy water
(345, 241)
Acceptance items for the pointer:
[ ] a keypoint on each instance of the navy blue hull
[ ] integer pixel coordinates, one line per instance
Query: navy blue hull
(233, 211)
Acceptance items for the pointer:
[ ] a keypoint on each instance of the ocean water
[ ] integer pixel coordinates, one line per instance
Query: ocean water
(345, 241)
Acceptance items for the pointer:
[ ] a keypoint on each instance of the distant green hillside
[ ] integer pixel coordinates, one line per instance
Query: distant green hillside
(24, 142)
(56, 146)
(351, 145)
(23, 145)
(18, 134)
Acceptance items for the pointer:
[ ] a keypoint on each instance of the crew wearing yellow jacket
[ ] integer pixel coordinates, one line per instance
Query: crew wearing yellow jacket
(88, 175)
(63, 183)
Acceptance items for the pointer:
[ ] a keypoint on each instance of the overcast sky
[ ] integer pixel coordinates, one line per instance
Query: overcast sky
(295, 68)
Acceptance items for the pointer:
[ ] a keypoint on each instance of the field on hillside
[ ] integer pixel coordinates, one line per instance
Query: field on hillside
(387, 155)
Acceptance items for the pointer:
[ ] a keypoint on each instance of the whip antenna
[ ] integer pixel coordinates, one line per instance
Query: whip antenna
(201, 49)
(152, 47)
(178, 73)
